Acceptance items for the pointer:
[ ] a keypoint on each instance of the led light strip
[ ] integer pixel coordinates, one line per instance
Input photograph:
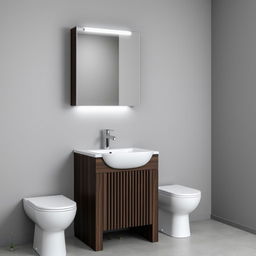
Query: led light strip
(104, 31)
(111, 110)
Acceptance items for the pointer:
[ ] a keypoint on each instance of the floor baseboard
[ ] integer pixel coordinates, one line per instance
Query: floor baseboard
(231, 223)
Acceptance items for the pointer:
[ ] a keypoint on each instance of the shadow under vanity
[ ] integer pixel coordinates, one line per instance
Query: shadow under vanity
(110, 199)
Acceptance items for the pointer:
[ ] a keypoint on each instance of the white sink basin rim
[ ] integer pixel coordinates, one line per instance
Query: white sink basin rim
(123, 158)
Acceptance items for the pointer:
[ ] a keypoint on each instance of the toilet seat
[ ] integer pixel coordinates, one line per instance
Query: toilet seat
(179, 191)
(51, 203)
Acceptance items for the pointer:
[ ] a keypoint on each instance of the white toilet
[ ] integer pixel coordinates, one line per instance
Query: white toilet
(176, 202)
(51, 215)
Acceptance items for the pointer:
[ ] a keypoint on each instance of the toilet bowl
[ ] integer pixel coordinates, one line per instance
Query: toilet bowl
(176, 202)
(51, 215)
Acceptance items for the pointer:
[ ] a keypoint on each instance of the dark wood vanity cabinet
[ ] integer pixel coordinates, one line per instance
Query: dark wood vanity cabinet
(111, 199)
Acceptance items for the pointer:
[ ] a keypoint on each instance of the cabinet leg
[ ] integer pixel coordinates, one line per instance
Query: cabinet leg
(150, 232)
(98, 241)
(153, 233)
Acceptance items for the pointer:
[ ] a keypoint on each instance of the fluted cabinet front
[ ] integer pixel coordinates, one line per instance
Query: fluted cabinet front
(127, 198)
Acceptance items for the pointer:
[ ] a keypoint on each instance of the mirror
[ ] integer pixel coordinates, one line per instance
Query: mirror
(105, 67)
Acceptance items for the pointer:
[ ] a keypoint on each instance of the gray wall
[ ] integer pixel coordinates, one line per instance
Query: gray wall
(39, 128)
(234, 109)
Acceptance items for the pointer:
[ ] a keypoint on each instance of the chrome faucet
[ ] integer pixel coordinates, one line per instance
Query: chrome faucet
(106, 137)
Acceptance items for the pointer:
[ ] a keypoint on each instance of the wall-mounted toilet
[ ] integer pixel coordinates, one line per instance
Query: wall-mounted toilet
(51, 215)
(176, 202)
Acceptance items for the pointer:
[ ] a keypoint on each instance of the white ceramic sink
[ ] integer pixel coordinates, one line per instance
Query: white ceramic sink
(122, 158)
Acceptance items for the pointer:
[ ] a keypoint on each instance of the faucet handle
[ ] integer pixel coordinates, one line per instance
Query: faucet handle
(109, 130)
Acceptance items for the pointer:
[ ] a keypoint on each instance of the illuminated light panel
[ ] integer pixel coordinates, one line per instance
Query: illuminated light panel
(102, 109)
(104, 31)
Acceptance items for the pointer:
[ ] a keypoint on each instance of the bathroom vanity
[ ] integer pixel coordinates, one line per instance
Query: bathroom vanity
(111, 199)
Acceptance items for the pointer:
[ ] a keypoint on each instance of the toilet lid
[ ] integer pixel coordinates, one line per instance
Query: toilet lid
(51, 203)
(179, 191)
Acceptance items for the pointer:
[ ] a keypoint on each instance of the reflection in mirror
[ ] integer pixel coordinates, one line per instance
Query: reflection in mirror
(97, 69)
(105, 67)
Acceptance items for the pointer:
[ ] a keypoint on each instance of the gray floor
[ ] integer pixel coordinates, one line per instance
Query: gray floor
(209, 238)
